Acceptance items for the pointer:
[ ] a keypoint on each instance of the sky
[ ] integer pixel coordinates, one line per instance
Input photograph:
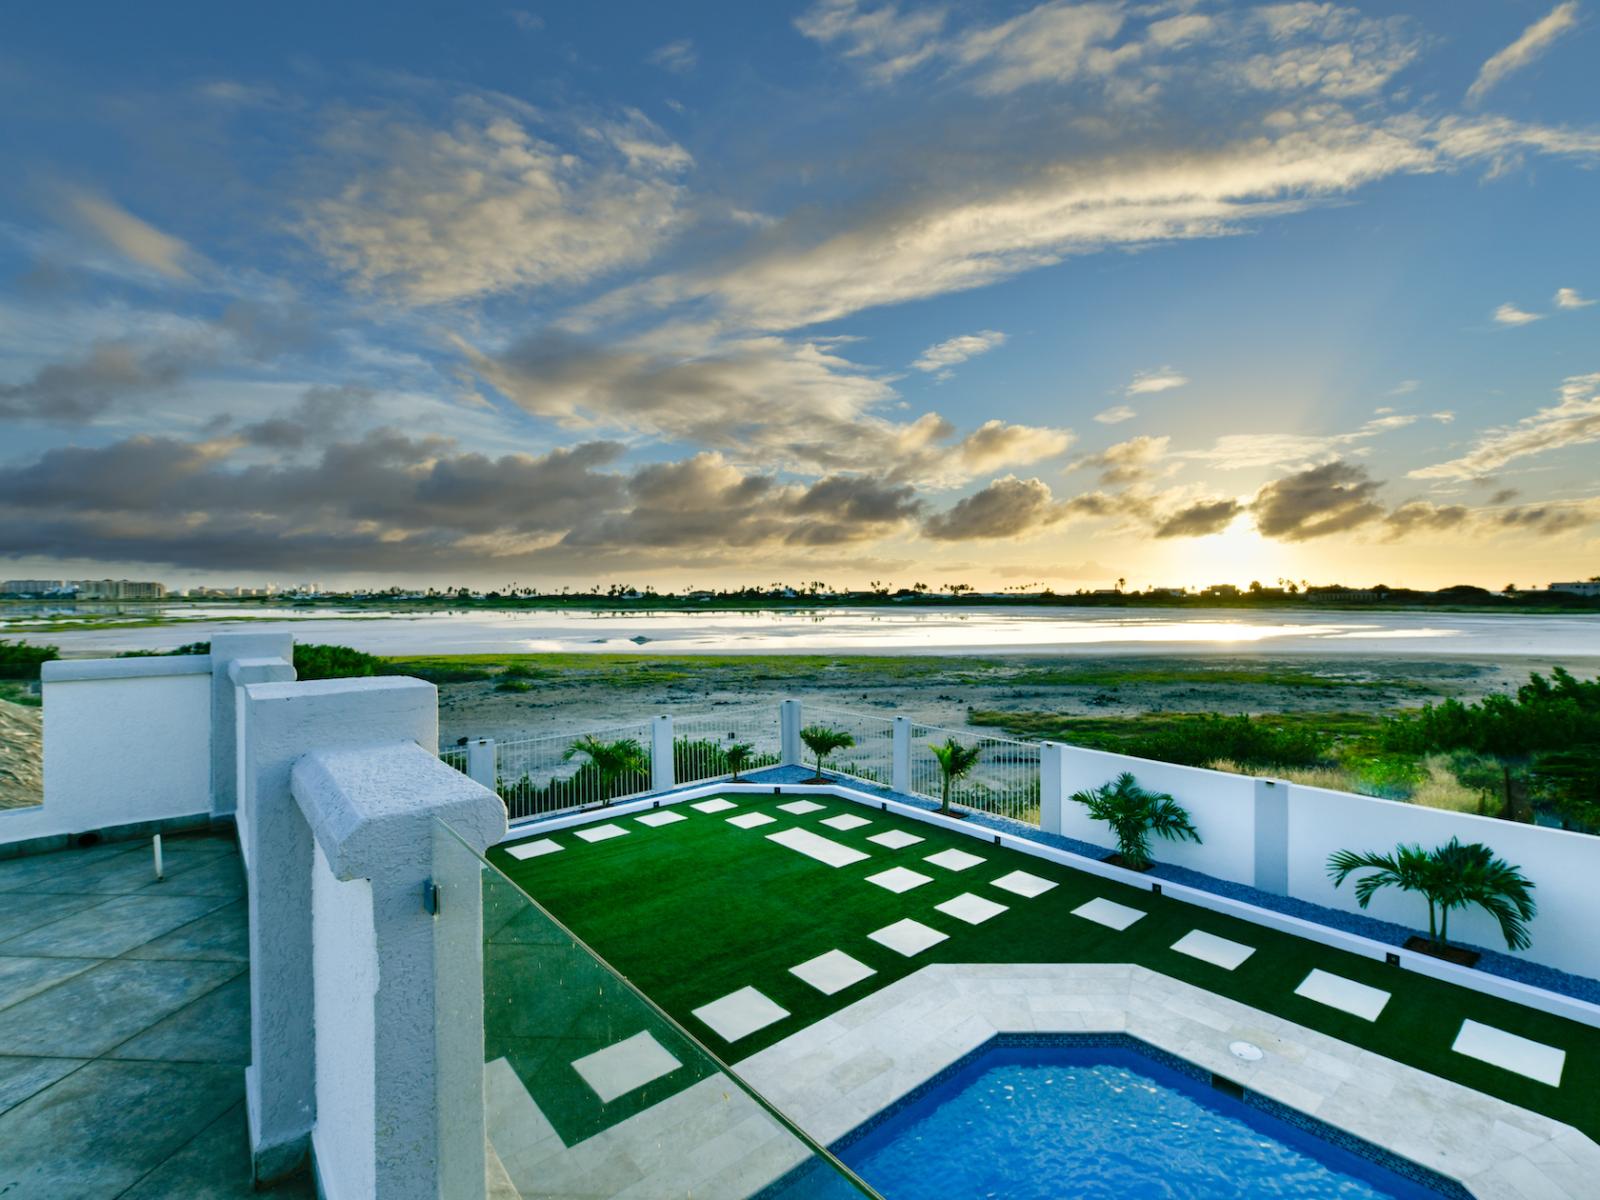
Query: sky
(699, 295)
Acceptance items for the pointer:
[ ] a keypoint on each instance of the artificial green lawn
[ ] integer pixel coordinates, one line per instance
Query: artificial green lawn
(692, 911)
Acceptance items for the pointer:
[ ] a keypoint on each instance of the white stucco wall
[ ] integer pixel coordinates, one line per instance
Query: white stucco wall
(344, 954)
(1564, 867)
(125, 741)
(1222, 807)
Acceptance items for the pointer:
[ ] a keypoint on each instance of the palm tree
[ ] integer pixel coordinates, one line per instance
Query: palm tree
(823, 741)
(1134, 814)
(612, 761)
(955, 761)
(1449, 877)
(738, 757)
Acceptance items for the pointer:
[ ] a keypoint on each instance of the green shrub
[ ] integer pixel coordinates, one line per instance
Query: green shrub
(1246, 741)
(21, 660)
(312, 661)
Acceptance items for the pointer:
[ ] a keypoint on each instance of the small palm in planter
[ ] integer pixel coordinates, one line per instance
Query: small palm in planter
(823, 741)
(1450, 877)
(738, 757)
(1134, 814)
(612, 761)
(955, 762)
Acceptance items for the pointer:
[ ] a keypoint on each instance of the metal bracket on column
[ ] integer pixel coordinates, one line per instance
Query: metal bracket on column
(430, 897)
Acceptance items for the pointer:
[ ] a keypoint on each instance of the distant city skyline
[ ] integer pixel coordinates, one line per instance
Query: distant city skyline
(709, 294)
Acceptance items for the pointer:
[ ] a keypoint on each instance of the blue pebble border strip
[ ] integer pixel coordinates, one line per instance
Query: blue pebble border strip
(1492, 962)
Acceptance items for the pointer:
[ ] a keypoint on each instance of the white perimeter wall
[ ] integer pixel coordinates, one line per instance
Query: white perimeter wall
(1222, 807)
(1564, 867)
(344, 955)
(125, 741)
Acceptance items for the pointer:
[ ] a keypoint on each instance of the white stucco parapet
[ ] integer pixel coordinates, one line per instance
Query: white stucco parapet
(81, 670)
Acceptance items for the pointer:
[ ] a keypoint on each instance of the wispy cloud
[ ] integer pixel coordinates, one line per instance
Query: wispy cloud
(1573, 421)
(1115, 415)
(680, 57)
(137, 240)
(1570, 298)
(1510, 314)
(1533, 41)
(941, 356)
(1163, 380)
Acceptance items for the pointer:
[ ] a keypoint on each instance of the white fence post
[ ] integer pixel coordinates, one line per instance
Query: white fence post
(900, 774)
(1272, 836)
(662, 769)
(1052, 785)
(789, 733)
(481, 765)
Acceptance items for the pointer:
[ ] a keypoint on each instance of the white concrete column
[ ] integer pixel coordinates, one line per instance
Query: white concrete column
(663, 768)
(1272, 836)
(226, 648)
(1052, 785)
(387, 1085)
(789, 725)
(482, 765)
(900, 774)
(241, 673)
(283, 722)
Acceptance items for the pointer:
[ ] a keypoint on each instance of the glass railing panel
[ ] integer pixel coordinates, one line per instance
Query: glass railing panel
(587, 1088)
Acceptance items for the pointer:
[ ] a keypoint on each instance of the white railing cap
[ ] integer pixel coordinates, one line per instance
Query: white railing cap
(79, 670)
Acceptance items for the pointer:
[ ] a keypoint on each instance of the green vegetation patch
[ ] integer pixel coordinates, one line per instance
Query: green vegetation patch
(693, 911)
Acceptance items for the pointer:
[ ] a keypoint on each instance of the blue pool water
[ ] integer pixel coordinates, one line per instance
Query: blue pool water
(1102, 1123)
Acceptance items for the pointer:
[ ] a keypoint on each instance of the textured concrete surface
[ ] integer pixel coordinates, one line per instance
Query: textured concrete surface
(125, 1024)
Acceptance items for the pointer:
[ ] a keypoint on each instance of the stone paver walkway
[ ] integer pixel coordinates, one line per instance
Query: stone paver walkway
(125, 1024)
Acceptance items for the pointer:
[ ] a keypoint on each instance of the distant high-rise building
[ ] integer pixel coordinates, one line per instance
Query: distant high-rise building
(1589, 587)
(118, 589)
(31, 587)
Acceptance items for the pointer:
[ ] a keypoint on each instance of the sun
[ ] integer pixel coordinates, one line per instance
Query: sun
(1236, 555)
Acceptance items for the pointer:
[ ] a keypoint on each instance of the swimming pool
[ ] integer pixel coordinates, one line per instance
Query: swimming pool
(1040, 1122)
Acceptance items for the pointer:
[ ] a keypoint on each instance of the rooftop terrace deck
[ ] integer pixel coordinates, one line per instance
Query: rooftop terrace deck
(125, 1024)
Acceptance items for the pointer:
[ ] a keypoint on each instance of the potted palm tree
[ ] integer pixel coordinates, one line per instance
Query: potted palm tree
(737, 757)
(1134, 814)
(1449, 877)
(822, 741)
(955, 762)
(612, 762)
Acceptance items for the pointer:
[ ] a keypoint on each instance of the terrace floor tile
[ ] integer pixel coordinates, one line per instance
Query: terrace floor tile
(1021, 883)
(222, 935)
(21, 978)
(846, 821)
(974, 910)
(832, 972)
(954, 860)
(1209, 948)
(739, 1014)
(534, 849)
(895, 839)
(600, 833)
(1108, 913)
(752, 820)
(907, 937)
(1511, 1052)
(215, 1029)
(800, 808)
(664, 817)
(715, 805)
(112, 928)
(625, 1066)
(22, 1077)
(899, 879)
(1344, 994)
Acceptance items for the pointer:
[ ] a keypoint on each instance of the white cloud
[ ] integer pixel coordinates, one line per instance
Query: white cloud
(886, 42)
(485, 205)
(1533, 41)
(1405, 387)
(1573, 421)
(1163, 380)
(942, 356)
(133, 238)
(1510, 314)
(1570, 298)
(1236, 451)
(679, 57)
(1115, 415)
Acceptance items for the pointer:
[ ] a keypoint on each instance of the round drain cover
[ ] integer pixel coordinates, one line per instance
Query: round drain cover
(1248, 1051)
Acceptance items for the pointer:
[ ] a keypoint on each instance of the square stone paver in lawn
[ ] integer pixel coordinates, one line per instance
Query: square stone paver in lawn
(953, 860)
(1511, 1052)
(715, 805)
(1208, 947)
(739, 1014)
(846, 821)
(800, 808)
(820, 848)
(1021, 883)
(907, 937)
(899, 879)
(96, 1010)
(1108, 913)
(895, 839)
(600, 833)
(752, 820)
(664, 817)
(629, 1064)
(974, 910)
(1344, 994)
(832, 972)
(534, 849)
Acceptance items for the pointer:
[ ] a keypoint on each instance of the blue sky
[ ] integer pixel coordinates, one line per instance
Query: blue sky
(689, 294)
